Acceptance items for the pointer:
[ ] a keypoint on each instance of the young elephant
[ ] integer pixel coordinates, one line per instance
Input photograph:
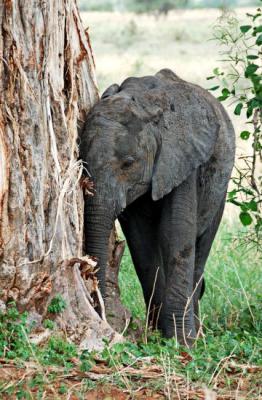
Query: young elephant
(160, 151)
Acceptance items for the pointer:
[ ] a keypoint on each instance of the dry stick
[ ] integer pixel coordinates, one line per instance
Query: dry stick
(184, 316)
(174, 319)
(224, 361)
(102, 305)
(149, 304)
(177, 389)
(121, 374)
(13, 383)
(167, 374)
(158, 314)
(186, 309)
(70, 391)
(201, 325)
(243, 372)
(221, 290)
(127, 322)
(187, 385)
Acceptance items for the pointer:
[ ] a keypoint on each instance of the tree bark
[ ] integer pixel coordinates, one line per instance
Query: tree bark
(47, 85)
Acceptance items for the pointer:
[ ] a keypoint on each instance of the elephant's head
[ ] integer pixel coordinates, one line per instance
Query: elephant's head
(139, 137)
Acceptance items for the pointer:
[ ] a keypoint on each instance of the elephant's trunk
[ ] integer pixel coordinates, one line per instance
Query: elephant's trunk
(98, 224)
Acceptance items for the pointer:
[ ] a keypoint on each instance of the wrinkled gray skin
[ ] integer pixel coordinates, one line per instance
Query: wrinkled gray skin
(160, 151)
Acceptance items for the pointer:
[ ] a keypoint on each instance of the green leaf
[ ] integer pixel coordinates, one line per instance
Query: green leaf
(245, 28)
(225, 94)
(237, 110)
(247, 191)
(251, 69)
(57, 305)
(216, 72)
(257, 29)
(259, 40)
(86, 365)
(252, 205)
(233, 201)
(254, 103)
(249, 111)
(245, 218)
(214, 88)
(252, 57)
(210, 77)
(244, 135)
(232, 193)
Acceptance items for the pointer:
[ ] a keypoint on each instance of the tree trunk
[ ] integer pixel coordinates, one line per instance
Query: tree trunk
(47, 85)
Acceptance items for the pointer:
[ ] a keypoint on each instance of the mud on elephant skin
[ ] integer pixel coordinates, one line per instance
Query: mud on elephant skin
(160, 152)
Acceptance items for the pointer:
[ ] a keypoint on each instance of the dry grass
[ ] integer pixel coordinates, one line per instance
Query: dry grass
(144, 381)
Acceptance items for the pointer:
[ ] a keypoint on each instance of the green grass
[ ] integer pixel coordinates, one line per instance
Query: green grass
(225, 355)
(131, 291)
(230, 310)
(233, 286)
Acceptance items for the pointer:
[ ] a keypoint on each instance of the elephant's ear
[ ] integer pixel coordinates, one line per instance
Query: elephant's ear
(110, 91)
(187, 135)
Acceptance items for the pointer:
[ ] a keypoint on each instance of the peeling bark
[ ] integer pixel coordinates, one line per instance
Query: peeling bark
(47, 85)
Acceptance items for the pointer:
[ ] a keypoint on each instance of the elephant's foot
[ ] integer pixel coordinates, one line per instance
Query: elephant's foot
(185, 336)
(179, 325)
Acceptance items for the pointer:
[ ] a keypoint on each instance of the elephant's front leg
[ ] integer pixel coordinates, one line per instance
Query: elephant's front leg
(177, 238)
(140, 223)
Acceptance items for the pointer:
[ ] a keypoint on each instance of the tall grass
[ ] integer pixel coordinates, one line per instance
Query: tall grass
(231, 305)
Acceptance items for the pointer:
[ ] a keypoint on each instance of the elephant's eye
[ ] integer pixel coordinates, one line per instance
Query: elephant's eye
(127, 162)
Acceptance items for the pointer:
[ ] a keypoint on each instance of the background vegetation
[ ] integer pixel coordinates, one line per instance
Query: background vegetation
(239, 81)
(160, 6)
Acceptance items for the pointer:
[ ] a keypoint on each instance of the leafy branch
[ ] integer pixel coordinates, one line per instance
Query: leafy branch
(239, 82)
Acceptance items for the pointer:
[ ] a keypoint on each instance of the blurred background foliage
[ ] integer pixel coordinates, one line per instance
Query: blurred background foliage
(159, 6)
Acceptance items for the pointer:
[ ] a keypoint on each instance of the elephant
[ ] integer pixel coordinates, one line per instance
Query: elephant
(160, 152)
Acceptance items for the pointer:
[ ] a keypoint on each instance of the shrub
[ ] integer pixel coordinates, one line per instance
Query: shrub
(240, 82)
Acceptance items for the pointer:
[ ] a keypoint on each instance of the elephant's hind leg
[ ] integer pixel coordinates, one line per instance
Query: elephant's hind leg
(203, 247)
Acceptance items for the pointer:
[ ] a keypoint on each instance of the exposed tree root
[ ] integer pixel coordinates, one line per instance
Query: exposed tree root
(76, 282)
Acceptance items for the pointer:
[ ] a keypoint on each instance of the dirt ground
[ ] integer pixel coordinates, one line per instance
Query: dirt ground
(32, 381)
